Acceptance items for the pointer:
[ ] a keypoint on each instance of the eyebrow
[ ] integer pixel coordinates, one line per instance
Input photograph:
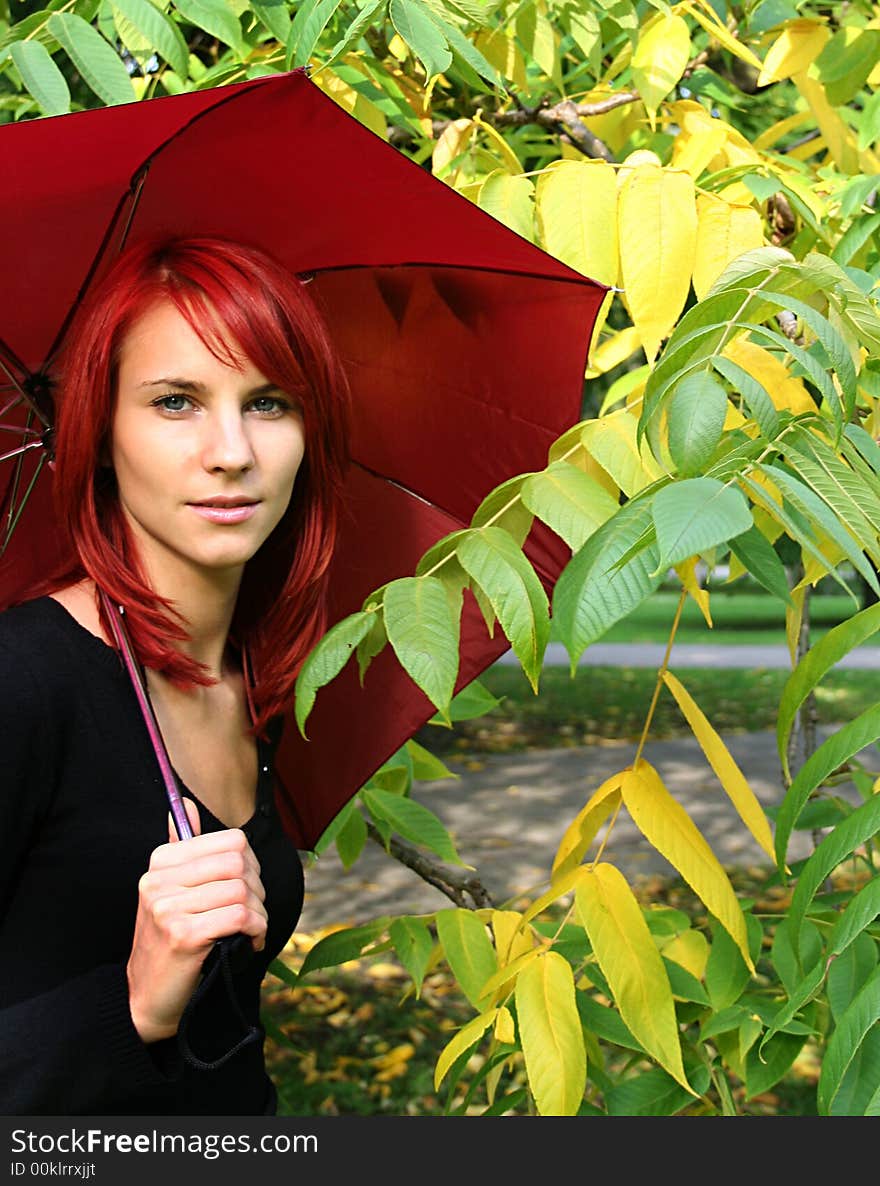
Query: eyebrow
(196, 386)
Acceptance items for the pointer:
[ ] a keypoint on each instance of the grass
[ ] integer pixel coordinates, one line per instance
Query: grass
(746, 618)
(351, 1041)
(611, 703)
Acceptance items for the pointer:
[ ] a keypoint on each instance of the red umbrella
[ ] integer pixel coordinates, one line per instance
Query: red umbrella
(465, 346)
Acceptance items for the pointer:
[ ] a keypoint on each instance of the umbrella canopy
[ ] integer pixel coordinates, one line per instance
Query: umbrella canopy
(465, 347)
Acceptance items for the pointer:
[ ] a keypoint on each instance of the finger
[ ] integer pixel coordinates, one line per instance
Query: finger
(179, 852)
(231, 865)
(202, 899)
(192, 814)
(199, 930)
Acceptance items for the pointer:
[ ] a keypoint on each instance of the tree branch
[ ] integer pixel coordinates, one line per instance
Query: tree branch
(462, 888)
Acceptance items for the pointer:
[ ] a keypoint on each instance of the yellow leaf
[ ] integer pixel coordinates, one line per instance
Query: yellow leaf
(560, 886)
(630, 962)
(690, 950)
(724, 231)
(782, 128)
(659, 60)
(551, 1035)
(841, 139)
(687, 574)
(794, 615)
(353, 102)
(576, 206)
(509, 199)
(511, 936)
(720, 33)
(451, 143)
(582, 830)
(658, 235)
(505, 1031)
(729, 774)
(794, 50)
(668, 827)
(615, 127)
(612, 442)
(463, 1040)
(502, 52)
(498, 986)
(616, 349)
(787, 392)
(699, 139)
(504, 150)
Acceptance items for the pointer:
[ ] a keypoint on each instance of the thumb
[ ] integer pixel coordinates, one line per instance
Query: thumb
(192, 814)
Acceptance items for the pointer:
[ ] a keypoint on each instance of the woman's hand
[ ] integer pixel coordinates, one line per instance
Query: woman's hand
(195, 891)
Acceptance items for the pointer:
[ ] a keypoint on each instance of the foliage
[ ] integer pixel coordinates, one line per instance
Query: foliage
(716, 164)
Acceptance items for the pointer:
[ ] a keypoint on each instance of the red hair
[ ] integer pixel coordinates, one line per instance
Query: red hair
(231, 295)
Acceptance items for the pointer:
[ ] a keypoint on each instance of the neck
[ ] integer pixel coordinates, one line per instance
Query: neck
(206, 602)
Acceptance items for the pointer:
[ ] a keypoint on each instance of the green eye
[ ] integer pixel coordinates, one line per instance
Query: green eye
(171, 403)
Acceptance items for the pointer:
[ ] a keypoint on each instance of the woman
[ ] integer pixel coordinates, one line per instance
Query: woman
(201, 444)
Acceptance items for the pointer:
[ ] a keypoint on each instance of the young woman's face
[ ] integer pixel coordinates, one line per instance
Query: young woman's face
(205, 454)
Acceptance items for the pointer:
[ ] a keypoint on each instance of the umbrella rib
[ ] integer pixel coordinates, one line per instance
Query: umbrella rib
(12, 522)
(130, 199)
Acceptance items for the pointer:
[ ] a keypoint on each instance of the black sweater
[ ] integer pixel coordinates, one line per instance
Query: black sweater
(82, 806)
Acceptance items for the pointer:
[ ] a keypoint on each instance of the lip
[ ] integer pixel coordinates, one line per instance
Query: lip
(225, 510)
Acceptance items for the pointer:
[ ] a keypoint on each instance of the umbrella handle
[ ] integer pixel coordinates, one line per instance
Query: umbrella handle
(116, 616)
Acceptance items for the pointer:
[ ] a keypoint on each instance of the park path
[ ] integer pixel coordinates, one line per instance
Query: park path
(507, 814)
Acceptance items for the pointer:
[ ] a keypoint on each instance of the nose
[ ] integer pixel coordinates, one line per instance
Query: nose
(226, 445)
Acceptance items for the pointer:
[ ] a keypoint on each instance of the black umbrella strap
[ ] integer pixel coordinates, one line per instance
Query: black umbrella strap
(224, 948)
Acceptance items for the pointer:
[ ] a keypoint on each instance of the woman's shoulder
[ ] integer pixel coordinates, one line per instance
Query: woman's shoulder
(43, 636)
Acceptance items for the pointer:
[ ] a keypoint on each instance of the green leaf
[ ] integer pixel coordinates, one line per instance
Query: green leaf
(465, 49)
(846, 1040)
(848, 972)
(696, 413)
(99, 64)
(312, 18)
(468, 950)
(41, 77)
(754, 394)
(859, 913)
(809, 504)
(838, 485)
(727, 973)
(755, 552)
(861, 826)
(592, 593)
(495, 563)
(353, 33)
(846, 60)
(474, 700)
(810, 364)
(158, 30)
(796, 527)
(273, 15)
(569, 501)
(424, 635)
(427, 767)
(325, 661)
(341, 946)
(412, 821)
(694, 515)
(651, 1093)
(833, 344)
(764, 1070)
(504, 507)
(418, 31)
(351, 838)
(413, 943)
(214, 17)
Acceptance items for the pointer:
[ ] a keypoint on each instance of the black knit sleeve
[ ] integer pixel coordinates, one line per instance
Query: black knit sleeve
(74, 1048)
